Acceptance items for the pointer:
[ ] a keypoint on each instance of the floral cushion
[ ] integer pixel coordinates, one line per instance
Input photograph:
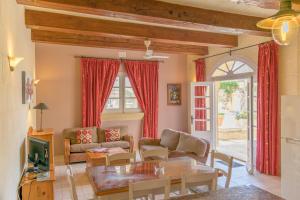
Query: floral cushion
(112, 134)
(84, 136)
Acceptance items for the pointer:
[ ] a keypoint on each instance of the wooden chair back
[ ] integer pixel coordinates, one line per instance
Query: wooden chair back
(72, 183)
(120, 159)
(226, 159)
(161, 154)
(149, 187)
(209, 179)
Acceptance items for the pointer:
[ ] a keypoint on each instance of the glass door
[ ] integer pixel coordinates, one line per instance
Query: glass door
(202, 112)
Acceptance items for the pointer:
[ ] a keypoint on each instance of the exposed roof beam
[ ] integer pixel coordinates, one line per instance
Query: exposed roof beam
(108, 42)
(98, 27)
(158, 12)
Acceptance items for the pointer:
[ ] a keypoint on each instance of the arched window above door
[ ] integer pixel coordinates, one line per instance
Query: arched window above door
(232, 69)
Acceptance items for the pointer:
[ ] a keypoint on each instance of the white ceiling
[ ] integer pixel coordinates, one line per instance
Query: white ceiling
(226, 6)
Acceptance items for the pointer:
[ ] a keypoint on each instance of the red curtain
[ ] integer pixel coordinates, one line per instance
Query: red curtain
(143, 76)
(267, 158)
(200, 114)
(200, 70)
(98, 76)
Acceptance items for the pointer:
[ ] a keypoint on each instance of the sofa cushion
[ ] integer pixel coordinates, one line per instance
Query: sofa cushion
(191, 144)
(169, 138)
(180, 154)
(70, 133)
(101, 132)
(79, 148)
(122, 144)
(150, 147)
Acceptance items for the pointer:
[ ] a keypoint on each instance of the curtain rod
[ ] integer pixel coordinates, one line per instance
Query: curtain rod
(121, 59)
(232, 50)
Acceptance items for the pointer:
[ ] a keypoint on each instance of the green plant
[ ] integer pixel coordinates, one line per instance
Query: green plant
(241, 115)
(229, 87)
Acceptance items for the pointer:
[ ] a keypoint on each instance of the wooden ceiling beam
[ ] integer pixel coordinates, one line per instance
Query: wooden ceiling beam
(158, 12)
(111, 42)
(98, 27)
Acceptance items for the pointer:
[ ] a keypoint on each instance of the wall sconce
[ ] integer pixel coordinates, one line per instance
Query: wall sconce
(36, 81)
(13, 62)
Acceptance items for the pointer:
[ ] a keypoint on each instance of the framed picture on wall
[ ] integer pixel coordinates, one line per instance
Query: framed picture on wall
(174, 93)
(27, 88)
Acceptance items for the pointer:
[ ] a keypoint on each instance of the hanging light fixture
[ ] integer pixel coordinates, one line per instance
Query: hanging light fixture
(284, 23)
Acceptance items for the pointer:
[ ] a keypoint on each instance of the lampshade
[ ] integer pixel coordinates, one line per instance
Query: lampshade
(41, 106)
(269, 22)
(284, 23)
(14, 61)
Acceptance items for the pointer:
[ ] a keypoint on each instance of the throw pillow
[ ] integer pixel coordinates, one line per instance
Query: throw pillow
(112, 134)
(101, 132)
(84, 136)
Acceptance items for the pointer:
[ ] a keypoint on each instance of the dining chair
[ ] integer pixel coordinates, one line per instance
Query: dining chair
(154, 154)
(140, 189)
(192, 180)
(72, 183)
(120, 159)
(228, 160)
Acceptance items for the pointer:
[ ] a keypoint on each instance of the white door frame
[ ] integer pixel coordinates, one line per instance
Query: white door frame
(208, 135)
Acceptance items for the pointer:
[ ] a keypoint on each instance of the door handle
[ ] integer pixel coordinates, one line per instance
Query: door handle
(192, 119)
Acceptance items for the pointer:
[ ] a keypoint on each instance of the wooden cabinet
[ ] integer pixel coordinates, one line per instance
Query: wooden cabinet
(33, 188)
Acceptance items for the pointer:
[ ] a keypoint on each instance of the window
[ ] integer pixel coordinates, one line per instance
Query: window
(122, 98)
(113, 102)
(232, 68)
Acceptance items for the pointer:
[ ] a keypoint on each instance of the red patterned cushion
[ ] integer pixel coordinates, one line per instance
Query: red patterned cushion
(84, 136)
(112, 134)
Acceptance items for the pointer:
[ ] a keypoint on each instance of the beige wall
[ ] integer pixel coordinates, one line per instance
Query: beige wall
(289, 69)
(15, 118)
(59, 87)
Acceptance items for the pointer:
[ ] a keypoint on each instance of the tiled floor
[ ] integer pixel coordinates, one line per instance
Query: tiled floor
(85, 191)
(233, 147)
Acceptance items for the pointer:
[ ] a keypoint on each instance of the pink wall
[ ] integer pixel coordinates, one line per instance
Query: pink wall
(59, 88)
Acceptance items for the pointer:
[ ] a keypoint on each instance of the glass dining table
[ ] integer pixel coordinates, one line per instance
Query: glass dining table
(112, 182)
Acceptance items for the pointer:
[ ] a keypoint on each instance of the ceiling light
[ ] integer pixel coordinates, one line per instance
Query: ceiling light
(284, 23)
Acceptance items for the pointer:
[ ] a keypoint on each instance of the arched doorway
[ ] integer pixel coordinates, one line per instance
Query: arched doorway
(235, 109)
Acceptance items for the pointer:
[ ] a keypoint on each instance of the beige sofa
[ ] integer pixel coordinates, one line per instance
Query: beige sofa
(179, 144)
(76, 152)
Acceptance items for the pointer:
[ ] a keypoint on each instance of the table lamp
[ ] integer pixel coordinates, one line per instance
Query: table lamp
(41, 106)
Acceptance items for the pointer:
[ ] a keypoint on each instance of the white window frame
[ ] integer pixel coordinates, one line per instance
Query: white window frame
(122, 98)
(230, 76)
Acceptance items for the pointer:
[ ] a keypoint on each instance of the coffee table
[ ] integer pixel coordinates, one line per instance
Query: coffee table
(99, 158)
